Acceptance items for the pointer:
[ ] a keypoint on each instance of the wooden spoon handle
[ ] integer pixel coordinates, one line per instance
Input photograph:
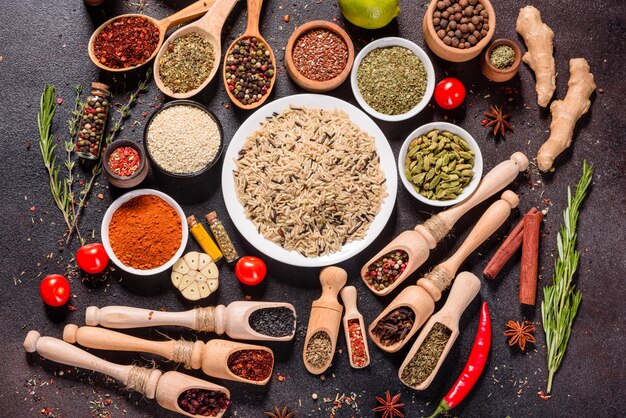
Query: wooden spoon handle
(62, 352)
(464, 290)
(332, 279)
(214, 20)
(489, 223)
(494, 181)
(254, 15)
(127, 317)
(348, 296)
(193, 11)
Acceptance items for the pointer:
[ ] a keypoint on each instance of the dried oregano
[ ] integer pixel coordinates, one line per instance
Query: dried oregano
(186, 62)
(392, 80)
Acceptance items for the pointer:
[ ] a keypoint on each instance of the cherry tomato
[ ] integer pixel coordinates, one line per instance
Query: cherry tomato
(55, 290)
(250, 270)
(449, 93)
(92, 258)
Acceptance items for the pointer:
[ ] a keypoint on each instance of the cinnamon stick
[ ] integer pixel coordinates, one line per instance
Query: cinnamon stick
(510, 245)
(530, 258)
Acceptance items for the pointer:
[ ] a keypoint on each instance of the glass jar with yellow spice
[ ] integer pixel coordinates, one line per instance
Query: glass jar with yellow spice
(204, 239)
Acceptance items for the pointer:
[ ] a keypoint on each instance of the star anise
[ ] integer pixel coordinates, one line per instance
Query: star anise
(389, 406)
(499, 120)
(520, 333)
(277, 413)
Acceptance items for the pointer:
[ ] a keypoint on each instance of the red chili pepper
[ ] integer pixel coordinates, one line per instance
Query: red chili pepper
(474, 367)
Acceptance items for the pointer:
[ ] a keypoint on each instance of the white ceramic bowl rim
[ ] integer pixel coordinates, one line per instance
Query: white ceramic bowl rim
(389, 42)
(457, 130)
(106, 220)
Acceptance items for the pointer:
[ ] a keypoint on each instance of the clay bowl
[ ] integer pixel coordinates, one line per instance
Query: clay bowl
(313, 85)
(135, 178)
(496, 74)
(450, 53)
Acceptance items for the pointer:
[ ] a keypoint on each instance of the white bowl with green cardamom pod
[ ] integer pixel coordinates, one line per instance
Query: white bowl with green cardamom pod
(440, 169)
(389, 82)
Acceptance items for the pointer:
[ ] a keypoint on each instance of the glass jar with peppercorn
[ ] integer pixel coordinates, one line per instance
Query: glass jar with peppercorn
(93, 120)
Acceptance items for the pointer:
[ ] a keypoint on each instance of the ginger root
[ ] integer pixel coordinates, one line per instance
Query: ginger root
(566, 112)
(538, 38)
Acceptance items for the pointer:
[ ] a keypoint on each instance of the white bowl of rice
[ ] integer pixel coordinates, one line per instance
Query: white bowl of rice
(309, 180)
(183, 139)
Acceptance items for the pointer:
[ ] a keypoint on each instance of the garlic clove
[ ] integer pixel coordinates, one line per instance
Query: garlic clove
(192, 292)
(187, 280)
(181, 266)
(201, 278)
(204, 289)
(203, 261)
(176, 278)
(192, 260)
(213, 284)
(210, 271)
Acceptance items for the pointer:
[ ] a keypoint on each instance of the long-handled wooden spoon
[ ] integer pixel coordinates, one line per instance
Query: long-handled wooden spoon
(234, 319)
(348, 296)
(252, 31)
(418, 242)
(212, 357)
(209, 26)
(421, 298)
(464, 290)
(193, 11)
(325, 319)
(152, 383)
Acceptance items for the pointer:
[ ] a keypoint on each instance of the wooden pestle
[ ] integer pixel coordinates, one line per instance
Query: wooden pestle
(348, 296)
(418, 242)
(464, 290)
(231, 319)
(151, 383)
(421, 297)
(212, 357)
(326, 313)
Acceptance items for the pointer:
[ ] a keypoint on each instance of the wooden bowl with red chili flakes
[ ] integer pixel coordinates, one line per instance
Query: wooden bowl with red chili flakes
(319, 56)
(125, 164)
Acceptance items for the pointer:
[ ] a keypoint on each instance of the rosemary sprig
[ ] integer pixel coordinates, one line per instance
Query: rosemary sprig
(59, 189)
(73, 125)
(123, 113)
(561, 300)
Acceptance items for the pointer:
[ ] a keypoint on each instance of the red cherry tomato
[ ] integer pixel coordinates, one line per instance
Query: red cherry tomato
(250, 270)
(92, 258)
(55, 290)
(449, 93)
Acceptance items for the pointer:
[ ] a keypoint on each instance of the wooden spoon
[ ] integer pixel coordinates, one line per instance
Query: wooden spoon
(193, 11)
(252, 30)
(421, 297)
(209, 26)
(212, 357)
(326, 314)
(423, 238)
(464, 290)
(151, 383)
(348, 296)
(232, 320)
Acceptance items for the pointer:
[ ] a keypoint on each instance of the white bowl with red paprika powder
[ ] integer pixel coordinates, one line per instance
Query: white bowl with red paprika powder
(144, 232)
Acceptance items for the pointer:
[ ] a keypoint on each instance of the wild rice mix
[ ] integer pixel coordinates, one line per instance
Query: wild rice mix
(310, 180)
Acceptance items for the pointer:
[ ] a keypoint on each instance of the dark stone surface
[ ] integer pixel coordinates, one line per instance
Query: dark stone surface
(45, 42)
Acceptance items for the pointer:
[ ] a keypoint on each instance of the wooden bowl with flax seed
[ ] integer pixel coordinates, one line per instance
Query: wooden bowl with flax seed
(319, 56)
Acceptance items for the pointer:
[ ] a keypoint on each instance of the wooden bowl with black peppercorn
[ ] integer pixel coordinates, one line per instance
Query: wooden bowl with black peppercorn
(494, 73)
(458, 33)
(329, 43)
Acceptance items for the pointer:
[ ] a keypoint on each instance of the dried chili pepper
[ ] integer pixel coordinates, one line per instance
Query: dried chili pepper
(474, 366)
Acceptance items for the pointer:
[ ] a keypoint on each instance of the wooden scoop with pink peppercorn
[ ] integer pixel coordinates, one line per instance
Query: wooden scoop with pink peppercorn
(411, 249)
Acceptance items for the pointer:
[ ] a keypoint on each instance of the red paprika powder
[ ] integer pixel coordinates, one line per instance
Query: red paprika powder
(145, 232)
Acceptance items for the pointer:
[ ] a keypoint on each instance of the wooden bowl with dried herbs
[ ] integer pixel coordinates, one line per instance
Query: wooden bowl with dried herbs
(501, 60)
(392, 79)
(440, 164)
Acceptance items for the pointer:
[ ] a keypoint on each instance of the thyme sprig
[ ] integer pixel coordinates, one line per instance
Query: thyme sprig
(123, 113)
(47, 144)
(561, 300)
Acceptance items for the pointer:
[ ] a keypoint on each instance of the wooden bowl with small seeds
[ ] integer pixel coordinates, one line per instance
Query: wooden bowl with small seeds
(327, 48)
(496, 74)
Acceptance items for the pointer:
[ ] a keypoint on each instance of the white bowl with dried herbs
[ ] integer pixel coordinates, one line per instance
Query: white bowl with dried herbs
(392, 79)
(440, 164)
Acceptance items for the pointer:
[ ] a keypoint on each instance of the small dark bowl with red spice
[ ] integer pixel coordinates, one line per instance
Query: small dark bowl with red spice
(125, 164)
